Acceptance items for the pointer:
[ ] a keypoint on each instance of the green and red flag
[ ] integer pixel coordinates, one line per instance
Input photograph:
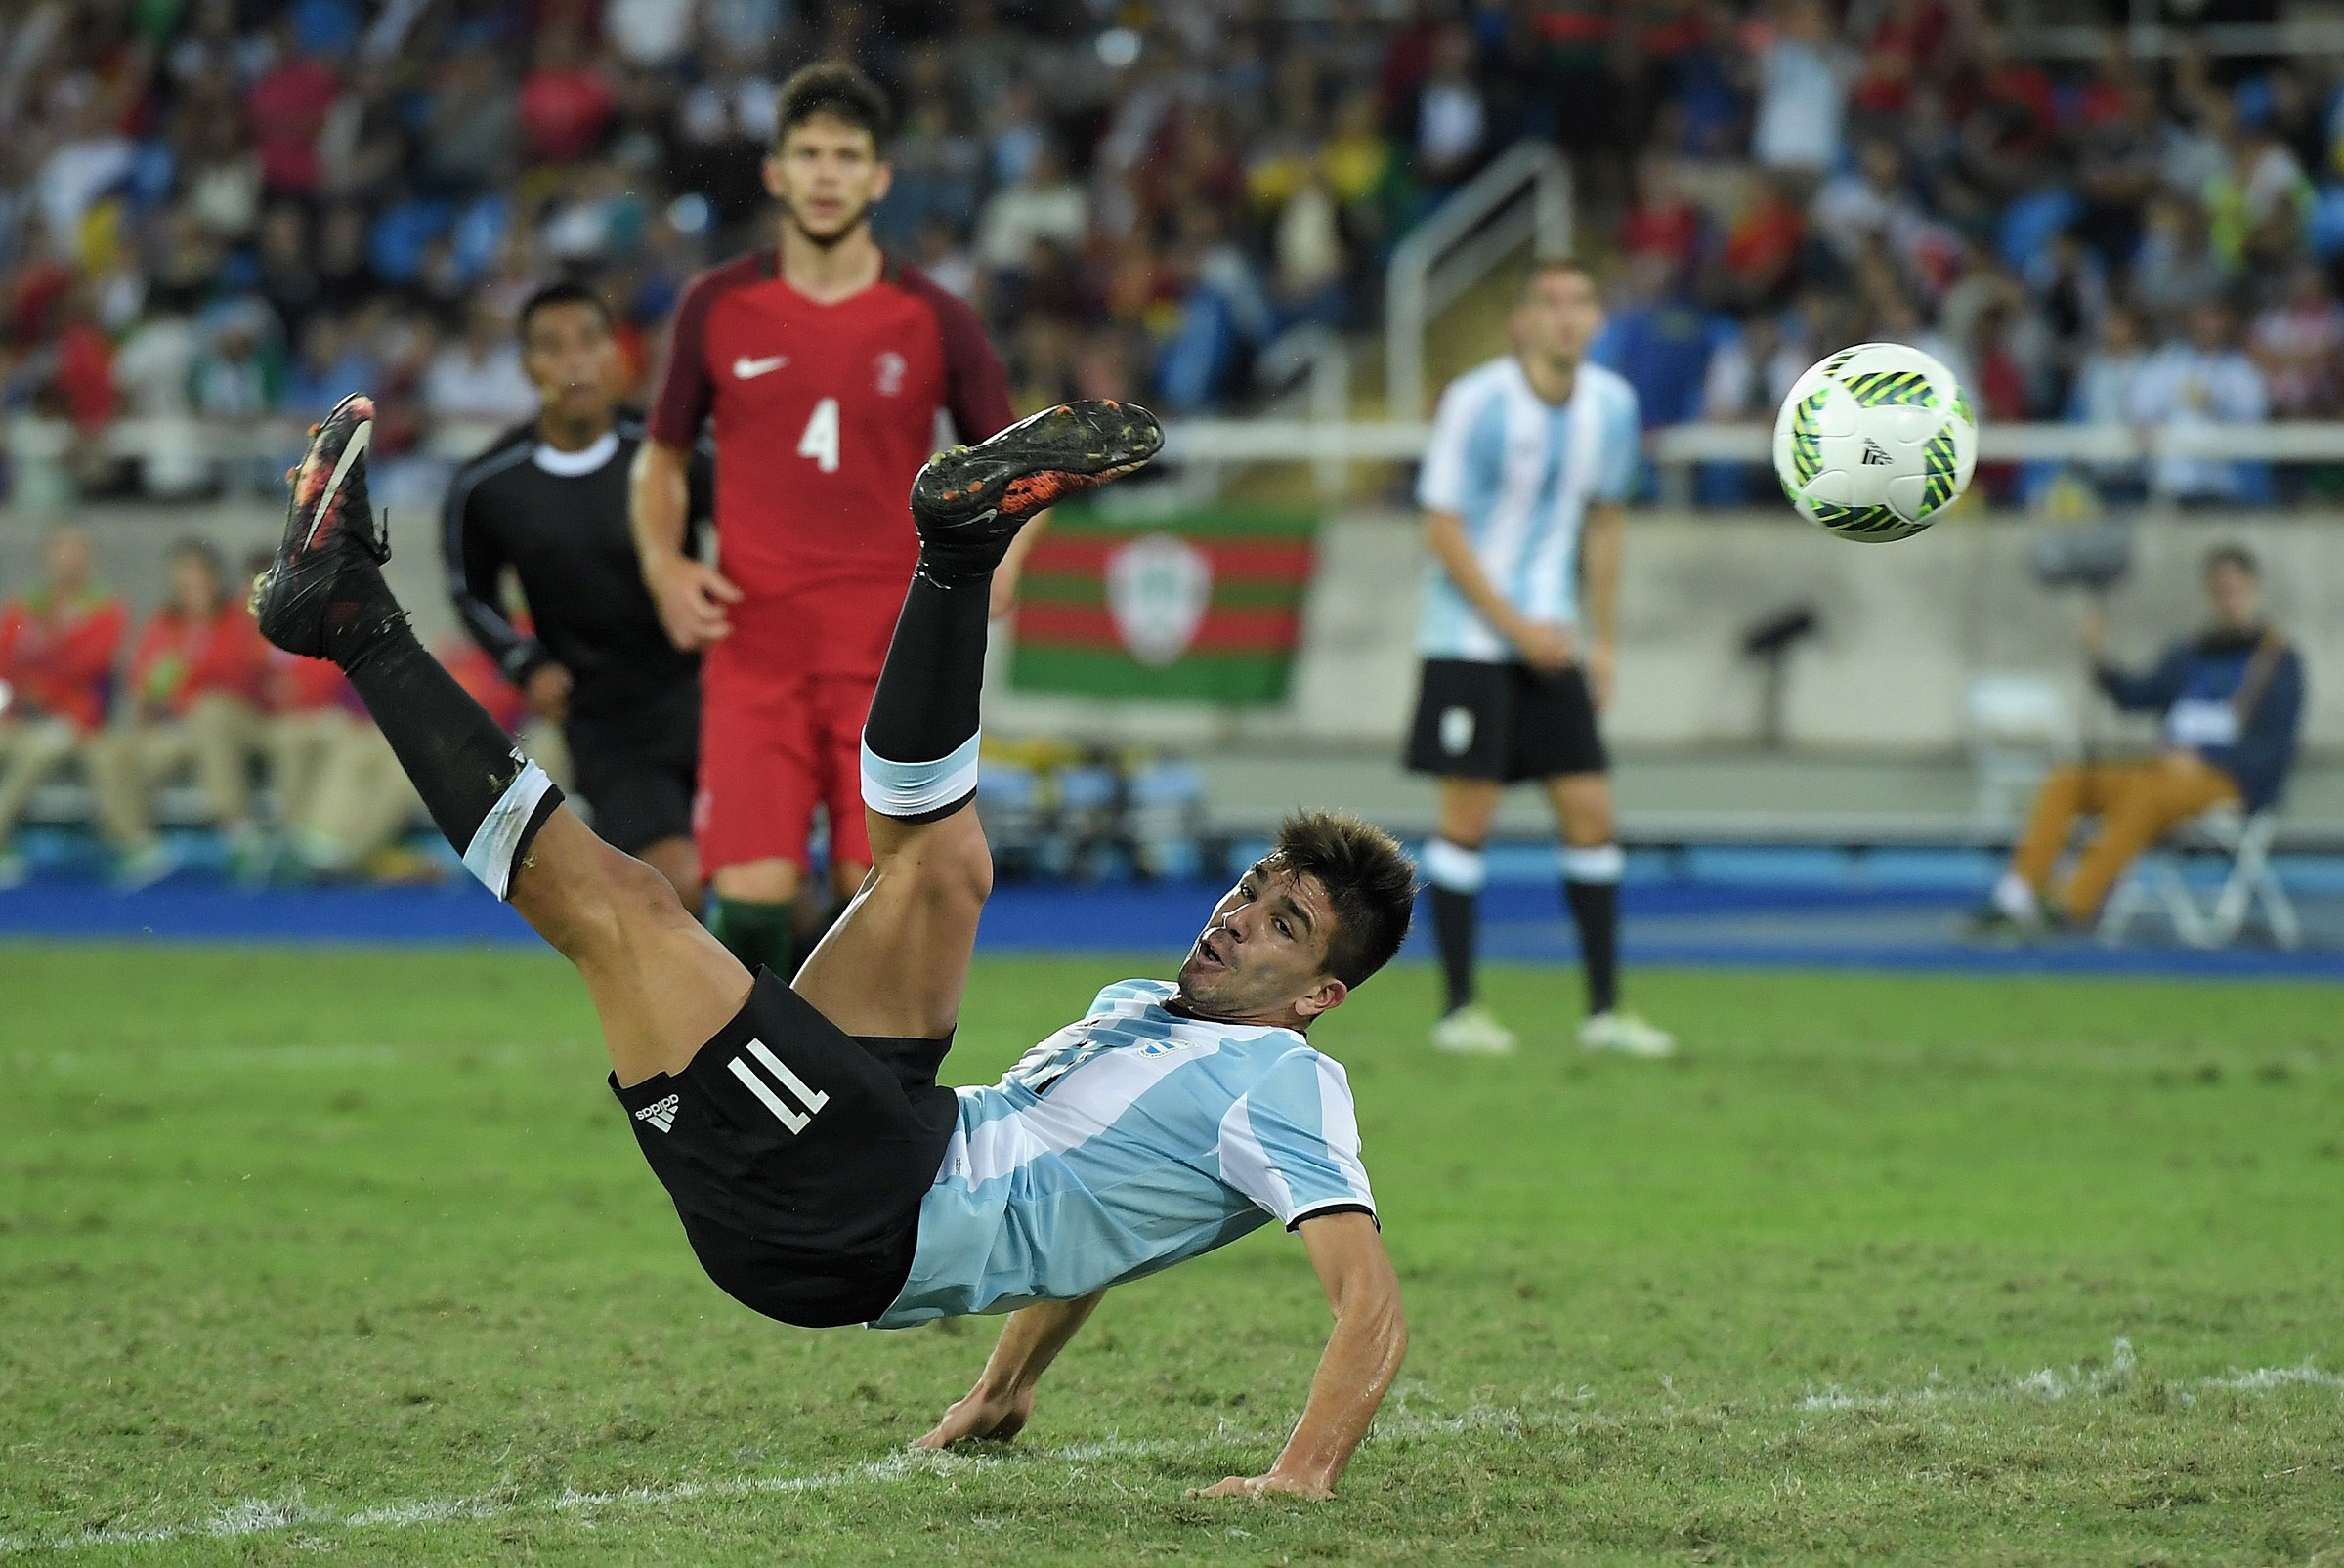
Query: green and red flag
(1202, 606)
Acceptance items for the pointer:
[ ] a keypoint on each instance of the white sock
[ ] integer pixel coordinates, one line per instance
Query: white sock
(2015, 898)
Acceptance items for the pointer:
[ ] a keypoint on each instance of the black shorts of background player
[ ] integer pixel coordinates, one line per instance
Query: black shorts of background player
(548, 503)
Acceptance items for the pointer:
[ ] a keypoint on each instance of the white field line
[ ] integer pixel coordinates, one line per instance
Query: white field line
(261, 1516)
(2049, 1384)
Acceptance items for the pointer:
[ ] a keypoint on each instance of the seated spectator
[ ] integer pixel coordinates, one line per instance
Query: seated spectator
(288, 106)
(2102, 395)
(1868, 203)
(2296, 344)
(2197, 381)
(2233, 702)
(1662, 221)
(478, 378)
(2173, 270)
(341, 798)
(1661, 341)
(1452, 121)
(1803, 75)
(58, 648)
(1043, 203)
(565, 104)
(333, 363)
(193, 702)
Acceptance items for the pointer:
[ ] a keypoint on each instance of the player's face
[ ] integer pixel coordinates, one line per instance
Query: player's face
(574, 360)
(828, 174)
(1263, 955)
(1560, 317)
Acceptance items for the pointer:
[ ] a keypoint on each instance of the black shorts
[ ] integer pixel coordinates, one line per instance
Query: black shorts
(797, 1155)
(637, 767)
(1507, 722)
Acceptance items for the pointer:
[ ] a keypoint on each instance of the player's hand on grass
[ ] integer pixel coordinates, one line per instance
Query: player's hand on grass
(982, 1416)
(691, 601)
(548, 693)
(1544, 645)
(1263, 1486)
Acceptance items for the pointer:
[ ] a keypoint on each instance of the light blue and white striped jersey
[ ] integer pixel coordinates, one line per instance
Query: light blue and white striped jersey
(1123, 1144)
(1520, 472)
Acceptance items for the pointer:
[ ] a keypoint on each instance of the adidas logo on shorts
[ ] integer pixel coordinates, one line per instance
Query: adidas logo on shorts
(662, 1115)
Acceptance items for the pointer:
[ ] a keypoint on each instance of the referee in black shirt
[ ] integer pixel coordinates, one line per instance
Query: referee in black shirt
(549, 502)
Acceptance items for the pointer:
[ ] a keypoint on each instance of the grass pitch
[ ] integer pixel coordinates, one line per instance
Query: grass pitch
(349, 1252)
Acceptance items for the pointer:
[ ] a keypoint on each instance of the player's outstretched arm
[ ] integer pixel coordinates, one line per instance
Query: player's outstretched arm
(1363, 1356)
(998, 1407)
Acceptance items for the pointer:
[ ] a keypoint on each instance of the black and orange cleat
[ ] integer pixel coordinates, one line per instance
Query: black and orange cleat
(969, 502)
(329, 526)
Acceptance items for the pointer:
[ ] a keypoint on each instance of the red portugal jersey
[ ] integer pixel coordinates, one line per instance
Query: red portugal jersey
(823, 415)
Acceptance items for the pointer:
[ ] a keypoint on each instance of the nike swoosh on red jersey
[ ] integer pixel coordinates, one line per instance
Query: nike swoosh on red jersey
(748, 369)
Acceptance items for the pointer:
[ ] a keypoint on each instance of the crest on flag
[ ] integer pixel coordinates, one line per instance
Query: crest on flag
(1158, 588)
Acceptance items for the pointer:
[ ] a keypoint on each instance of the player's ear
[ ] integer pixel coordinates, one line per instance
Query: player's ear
(772, 170)
(1324, 995)
(882, 176)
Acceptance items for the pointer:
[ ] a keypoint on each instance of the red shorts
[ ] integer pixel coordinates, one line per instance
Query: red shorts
(771, 746)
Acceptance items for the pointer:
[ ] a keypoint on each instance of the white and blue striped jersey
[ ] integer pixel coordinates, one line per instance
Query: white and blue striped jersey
(1126, 1143)
(1520, 472)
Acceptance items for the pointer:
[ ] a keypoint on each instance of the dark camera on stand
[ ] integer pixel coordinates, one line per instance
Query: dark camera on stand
(2094, 556)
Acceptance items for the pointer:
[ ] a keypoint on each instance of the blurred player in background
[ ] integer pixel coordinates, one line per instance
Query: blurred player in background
(549, 501)
(822, 362)
(1530, 458)
(58, 648)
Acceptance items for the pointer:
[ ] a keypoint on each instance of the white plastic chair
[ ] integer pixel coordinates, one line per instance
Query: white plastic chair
(2019, 725)
(2157, 881)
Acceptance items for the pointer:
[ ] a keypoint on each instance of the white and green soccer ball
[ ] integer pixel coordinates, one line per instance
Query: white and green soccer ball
(1875, 441)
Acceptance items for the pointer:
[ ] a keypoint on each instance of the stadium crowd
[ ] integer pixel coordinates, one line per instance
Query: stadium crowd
(224, 209)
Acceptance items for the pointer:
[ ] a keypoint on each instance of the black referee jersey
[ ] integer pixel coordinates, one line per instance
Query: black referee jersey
(559, 520)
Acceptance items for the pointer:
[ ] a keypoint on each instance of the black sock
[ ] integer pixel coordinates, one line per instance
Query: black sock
(922, 731)
(485, 796)
(1453, 930)
(761, 934)
(1595, 911)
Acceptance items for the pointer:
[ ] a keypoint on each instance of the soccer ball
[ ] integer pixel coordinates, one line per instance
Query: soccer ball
(1875, 441)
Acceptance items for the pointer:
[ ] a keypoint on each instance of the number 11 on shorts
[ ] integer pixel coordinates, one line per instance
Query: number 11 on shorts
(821, 440)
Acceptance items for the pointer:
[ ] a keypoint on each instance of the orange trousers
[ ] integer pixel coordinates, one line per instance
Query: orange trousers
(2137, 803)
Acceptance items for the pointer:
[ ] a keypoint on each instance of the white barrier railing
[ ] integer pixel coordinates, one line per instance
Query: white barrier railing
(1255, 441)
(1325, 443)
(1478, 226)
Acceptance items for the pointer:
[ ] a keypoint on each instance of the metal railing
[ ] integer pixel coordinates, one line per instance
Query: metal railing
(1524, 196)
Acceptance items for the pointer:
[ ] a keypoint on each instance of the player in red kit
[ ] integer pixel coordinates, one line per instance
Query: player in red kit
(823, 364)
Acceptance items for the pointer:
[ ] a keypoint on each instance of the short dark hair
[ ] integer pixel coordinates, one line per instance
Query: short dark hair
(2233, 554)
(1370, 885)
(837, 89)
(566, 291)
(1540, 265)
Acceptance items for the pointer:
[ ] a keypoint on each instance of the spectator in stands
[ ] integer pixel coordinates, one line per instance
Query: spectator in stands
(1041, 204)
(191, 702)
(57, 647)
(2101, 394)
(2194, 381)
(2297, 343)
(288, 106)
(2232, 700)
(478, 378)
(341, 797)
(1661, 341)
(1803, 74)
(2174, 271)
(565, 103)
(1452, 121)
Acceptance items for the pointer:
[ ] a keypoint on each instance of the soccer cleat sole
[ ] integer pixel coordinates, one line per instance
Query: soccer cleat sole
(328, 523)
(1035, 463)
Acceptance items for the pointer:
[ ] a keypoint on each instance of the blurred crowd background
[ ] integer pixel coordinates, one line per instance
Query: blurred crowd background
(224, 210)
